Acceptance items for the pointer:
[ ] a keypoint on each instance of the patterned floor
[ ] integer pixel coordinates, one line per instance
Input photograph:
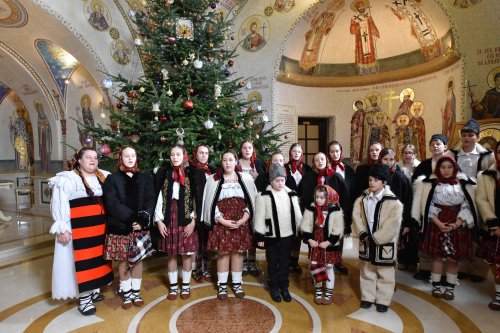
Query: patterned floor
(26, 266)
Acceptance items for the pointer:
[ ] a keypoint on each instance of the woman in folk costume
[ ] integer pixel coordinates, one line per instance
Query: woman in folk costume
(79, 225)
(376, 222)
(248, 163)
(228, 211)
(200, 170)
(444, 205)
(322, 228)
(295, 169)
(488, 204)
(176, 220)
(130, 202)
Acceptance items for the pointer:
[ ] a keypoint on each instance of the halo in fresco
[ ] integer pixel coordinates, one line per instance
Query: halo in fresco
(407, 91)
(120, 52)
(97, 14)
(12, 14)
(464, 3)
(254, 33)
(491, 76)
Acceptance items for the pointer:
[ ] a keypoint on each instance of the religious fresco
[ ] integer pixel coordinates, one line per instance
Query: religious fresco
(60, 63)
(283, 6)
(321, 25)
(44, 137)
(357, 121)
(12, 14)
(421, 26)
(254, 33)
(448, 112)
(254, 100)
(365, 34)
(4, 91)
(464, 3)
(21, 136)
(120, 52)
(84, 116)
(489, 107)
(97, 14)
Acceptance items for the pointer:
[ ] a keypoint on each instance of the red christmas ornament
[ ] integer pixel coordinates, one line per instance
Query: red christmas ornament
(241, 84)
(132, 94)
(104, 150)
(191, 90)
(188, 104)
(171, 40)
(148, 57)
(163, 118)
(209, 58)
(163, 138)
(235, 126)
(209, 30)
(230, 63)
(213, 5)
(202, 136)
(119, 106)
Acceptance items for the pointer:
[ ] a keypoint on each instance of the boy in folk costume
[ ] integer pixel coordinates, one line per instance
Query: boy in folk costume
(277, 218)
(376, 221)
(322, 228)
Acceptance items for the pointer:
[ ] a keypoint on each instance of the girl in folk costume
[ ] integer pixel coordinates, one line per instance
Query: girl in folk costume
(79, 226)
(295, 168)
(488, 204)
(130, 202)
(336, 157)
(277, 219)
(248, 163)
(175, 218)
(228, 210)
(444, 206)
(376, 222)
(200, 170)
(401, 187)
(409, 161)
(363, 170)
(322, 228)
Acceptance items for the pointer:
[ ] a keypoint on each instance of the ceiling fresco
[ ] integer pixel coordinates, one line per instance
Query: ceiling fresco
(12, 14)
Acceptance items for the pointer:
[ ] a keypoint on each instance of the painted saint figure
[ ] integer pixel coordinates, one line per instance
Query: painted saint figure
(449, 110)
(380, 131)
(21, 138)
(97, 18)
(44, 138)
(254, 41)
(417, 128)
(402, 134)
(357, 122)
(372, 101)
(365, 36)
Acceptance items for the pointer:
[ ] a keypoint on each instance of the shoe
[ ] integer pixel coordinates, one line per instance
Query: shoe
(382, 308)
(436, 290)
(136, 298)
(86, 307)
(244, 271)
(185, 291)
(275, 295)
(286, 295)
(252, 269)
(207, 275)
(172, 293)
(97, 297)
(238, 290)
(422, 275)
(318, 295)
(476, 278)
(449, 293)
(462, 275)
(495, 304)
(222, 293)
(328, 299)
(295, 269)
(198, 276)
(365, 304)
(127, 300)
(341, 268)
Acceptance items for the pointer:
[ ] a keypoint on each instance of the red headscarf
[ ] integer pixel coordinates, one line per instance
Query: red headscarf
(296, 164)
(338, 163)
(178, 171)
(121, 165)
(332, 199)
(440, 179)
(194, 163)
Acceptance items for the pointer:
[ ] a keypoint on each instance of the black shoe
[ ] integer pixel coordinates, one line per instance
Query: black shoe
(382, 308)
(422, 275)
(286, 295)
(341, 268)
(462, 275)
(97, 297)
(275, 295)
(365, 305)
(476, 278)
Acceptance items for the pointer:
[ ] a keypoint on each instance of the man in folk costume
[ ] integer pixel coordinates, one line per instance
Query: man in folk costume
(79, 225)
(365, 33)
(376, 222)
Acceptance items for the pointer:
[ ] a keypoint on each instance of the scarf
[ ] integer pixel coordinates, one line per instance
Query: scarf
(338, 163)
(202, 166)
(100, 177)
(319, 213)
(326, 172)
(218, 175)
(125, 169)
(332, 200)
(439, 177)
(179, 175)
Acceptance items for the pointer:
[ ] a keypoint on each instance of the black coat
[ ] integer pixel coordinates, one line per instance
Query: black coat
(361, 183)
(262, 179)
(124, 197)
(309, 183)
(401, 187)
(350, 180)
(423, 169)
(199, 179)
(290, 181)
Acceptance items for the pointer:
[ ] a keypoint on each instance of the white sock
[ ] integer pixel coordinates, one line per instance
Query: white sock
(136, 284)
(497, 289)
(222, 277)
(236, 277)
(435, 277)
(451, 278)
(331, 276)
(172, 278)
(186, 277)
(126, 285)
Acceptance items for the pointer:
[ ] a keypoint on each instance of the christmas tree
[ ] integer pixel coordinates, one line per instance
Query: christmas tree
(190, 92)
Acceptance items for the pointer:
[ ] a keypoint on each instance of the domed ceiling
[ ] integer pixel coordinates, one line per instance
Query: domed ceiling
(343, 38)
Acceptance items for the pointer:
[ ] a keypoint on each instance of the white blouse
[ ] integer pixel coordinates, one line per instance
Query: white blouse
(451, 195)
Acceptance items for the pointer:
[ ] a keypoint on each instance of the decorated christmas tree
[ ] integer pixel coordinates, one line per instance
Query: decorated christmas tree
(190, 92)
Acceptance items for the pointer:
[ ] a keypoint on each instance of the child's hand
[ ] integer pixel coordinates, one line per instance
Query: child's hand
(324, 244)
(312, 243)
(260, 244)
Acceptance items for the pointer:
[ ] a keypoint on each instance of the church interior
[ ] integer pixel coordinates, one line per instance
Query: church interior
(354, 71)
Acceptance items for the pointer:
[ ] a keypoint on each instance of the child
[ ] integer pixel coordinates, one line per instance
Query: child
(322, 228)
(376, 221)
(277, 219)
(444, 206)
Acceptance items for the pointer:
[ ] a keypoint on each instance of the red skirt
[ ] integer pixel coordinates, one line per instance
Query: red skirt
(456, 244)
(322, 256)
(176, 243)
(117, 247)
(223, 239)
(489, 250)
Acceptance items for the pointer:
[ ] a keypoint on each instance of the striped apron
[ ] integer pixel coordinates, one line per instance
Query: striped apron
(88, 224)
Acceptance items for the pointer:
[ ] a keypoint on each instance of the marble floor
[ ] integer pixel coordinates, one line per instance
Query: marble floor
(26, 252)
